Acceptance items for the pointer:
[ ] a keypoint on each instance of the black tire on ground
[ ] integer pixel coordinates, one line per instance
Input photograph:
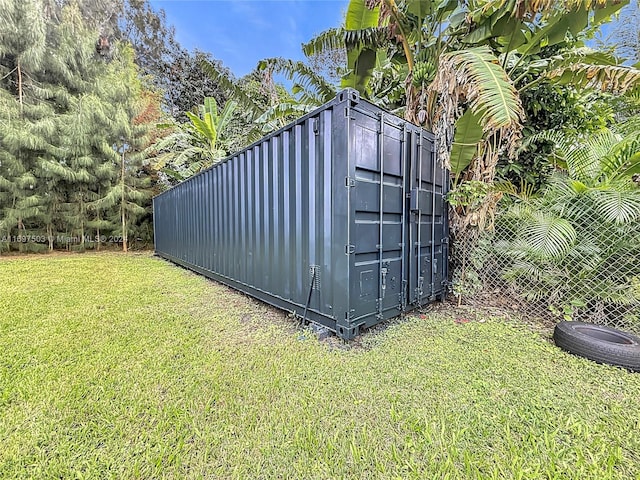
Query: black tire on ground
(599, 343)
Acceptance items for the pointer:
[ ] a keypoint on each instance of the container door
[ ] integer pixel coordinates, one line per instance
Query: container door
(377, 189)
(427, 221)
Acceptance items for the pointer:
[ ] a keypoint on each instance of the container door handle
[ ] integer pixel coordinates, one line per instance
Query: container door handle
(384, 280)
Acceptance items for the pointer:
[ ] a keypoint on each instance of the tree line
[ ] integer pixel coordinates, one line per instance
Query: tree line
(70, 137)
(83, 87)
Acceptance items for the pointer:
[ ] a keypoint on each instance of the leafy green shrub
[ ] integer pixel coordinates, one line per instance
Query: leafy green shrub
(576, 246)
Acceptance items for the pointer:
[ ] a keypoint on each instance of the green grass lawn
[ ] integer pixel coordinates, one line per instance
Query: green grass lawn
(115, 366)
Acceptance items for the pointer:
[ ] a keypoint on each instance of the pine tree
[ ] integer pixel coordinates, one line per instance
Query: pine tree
(69, 176)
(128, 195)
(67, 122)
(26, 121)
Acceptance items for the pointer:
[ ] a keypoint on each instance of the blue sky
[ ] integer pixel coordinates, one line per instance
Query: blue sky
(242, 32)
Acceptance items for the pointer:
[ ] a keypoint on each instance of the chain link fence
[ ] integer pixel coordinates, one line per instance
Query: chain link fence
(575, 262)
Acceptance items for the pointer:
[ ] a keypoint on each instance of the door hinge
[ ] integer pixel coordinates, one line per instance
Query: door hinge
(349, 182)
(349, 249)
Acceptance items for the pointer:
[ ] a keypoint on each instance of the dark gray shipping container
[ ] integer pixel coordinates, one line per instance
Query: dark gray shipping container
(340, 214)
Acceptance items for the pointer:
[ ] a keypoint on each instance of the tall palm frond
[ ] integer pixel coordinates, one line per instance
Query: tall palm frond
(531, 8)
(231, 88)
(566, 58)
(540, 69)
(619, 206)
(597, 158)
(474, 77)
(341, 38)
(177, 156)
(312, 88)
(329, 40)
(547, 236)
(617, 79)
(580, 157)
(277, 116)
(630, 126)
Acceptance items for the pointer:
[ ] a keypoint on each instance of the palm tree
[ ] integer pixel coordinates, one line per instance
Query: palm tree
(194, 146)
(576, 245)
(459, 68)
(597, 160)
(279, 107)
(309, 90)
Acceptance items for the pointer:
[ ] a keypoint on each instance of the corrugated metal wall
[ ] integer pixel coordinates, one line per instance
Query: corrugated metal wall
(341, 211)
